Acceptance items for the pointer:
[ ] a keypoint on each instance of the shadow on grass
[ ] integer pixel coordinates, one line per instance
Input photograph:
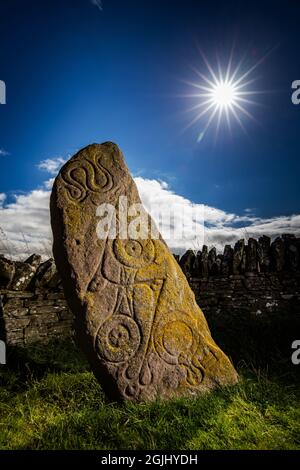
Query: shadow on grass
(255, 414)
(62, 355)
(51, 400)
(38, 359)
(262, 341)
(129, 426)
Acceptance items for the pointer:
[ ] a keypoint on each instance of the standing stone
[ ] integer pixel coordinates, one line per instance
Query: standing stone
(136, 317)
(177, 257)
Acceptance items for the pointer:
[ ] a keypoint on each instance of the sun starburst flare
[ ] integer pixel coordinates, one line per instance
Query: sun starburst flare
(222, 95)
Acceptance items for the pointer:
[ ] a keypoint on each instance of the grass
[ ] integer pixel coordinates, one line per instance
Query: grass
(49, 399)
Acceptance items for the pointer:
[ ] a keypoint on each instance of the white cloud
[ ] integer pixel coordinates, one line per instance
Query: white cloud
(25, 225)
(52, 165)
(220, 227)
(2, 198)
(3, 153)
(249, 210)
(26, 220)
(98, 4)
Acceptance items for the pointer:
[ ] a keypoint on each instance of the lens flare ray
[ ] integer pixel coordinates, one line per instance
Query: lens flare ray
(222, 94)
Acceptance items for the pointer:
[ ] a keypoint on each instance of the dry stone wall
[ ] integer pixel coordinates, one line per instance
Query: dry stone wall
(32, 304)
(250, 295)
(34, 316)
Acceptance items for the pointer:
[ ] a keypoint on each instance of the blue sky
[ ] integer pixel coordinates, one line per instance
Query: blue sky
(76, 73)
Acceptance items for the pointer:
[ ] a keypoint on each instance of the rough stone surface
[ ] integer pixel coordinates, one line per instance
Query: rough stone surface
(197, 264)
(251, 256)
(226, 266)
(238, 257)
(212, 257)
(24, 273)
(136, 317)
(263, 253)
(278, 254)
(291, 252)
(187, 263)
(34, 316)
(204, 261)
(7, 272)
(254, 318)
(218, 265)
(34, 260)
(44, 274)
(249, 314)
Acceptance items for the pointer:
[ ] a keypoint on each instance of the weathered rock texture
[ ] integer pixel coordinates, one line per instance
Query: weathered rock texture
(136, 317)
(256, 257)
(29, 317)
(253, 315)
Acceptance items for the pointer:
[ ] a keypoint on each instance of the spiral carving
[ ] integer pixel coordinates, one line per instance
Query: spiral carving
(175, 339)
(118, 339)
(90, 176)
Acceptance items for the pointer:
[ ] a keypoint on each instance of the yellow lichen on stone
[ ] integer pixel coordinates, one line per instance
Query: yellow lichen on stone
(136, 316)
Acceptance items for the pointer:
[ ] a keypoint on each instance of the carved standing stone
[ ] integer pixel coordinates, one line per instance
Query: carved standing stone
(136, 318)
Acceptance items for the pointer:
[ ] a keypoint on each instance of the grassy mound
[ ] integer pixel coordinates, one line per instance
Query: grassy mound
(49, 399)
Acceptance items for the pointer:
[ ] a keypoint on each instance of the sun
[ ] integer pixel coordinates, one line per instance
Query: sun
(222, 95)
